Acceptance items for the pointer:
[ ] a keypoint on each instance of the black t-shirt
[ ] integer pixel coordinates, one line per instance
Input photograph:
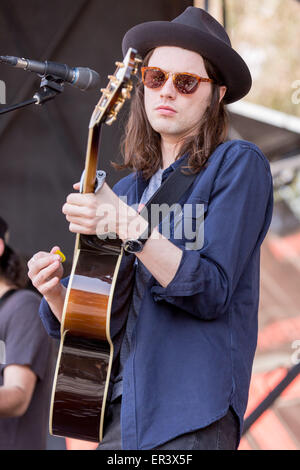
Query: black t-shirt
(25, 342)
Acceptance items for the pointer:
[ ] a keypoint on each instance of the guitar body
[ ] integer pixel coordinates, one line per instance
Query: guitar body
(85, 356)
(86, 351)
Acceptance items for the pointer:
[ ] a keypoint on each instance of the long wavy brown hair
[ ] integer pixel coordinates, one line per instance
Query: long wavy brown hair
(141, 144)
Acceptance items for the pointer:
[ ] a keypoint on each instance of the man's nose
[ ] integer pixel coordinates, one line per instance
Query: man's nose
(168, 89)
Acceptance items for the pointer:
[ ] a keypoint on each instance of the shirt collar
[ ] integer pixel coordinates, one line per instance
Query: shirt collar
(172, 167)
(141, 183)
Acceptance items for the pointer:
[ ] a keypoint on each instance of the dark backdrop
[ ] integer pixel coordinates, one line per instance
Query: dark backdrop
(42, 148)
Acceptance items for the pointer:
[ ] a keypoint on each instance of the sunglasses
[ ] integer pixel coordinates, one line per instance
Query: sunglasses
(185, 83)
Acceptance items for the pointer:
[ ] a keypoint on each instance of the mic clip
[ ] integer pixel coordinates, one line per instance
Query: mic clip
(51, 87)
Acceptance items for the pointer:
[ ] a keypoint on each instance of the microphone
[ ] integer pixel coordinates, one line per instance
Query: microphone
(81, 77)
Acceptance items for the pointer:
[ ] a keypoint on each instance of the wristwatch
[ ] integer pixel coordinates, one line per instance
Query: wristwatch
(132, 245)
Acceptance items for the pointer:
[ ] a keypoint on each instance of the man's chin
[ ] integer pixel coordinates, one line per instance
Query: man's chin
(166, 127)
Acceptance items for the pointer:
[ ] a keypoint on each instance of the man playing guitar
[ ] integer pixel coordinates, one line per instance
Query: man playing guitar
(188, 327)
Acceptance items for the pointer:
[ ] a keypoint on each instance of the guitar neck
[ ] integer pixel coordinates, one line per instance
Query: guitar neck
(91, 159)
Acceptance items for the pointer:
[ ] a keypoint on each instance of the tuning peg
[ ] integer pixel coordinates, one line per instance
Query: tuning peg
(118, 106)
(111, 118)
(105, 92)
(119, 64)
(126, 90)
(137, 62)
(113, 79)
(125, 93)
(99, 108)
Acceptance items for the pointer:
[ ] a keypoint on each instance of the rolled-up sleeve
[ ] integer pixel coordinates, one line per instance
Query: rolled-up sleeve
(49, 320)
(238, 217)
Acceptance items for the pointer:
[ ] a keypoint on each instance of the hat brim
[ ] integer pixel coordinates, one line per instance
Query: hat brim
(233, 69)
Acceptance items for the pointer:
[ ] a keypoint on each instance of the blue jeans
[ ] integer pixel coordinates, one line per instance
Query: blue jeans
(223, 434)
(220, 435)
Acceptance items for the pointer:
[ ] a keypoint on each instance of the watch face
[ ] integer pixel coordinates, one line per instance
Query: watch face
(133, 246)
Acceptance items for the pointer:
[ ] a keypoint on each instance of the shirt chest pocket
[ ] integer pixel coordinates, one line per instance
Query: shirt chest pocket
(185, 224)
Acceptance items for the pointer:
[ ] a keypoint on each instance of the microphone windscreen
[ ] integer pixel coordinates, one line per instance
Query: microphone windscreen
(86, 79)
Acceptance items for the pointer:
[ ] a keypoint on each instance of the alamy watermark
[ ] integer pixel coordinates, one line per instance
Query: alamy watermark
(176, 222)
(2, 352)
(2, 92)
(295, 357)
(296, 93)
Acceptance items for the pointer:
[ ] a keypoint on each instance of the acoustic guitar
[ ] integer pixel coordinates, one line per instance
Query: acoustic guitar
(85, 355)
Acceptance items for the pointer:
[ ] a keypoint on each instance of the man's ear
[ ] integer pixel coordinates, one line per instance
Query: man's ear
(222, 89)
(2, 247)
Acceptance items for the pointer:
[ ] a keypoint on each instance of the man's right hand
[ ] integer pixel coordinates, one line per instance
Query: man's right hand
(45, 271)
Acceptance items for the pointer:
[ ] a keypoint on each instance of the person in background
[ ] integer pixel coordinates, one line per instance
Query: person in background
(24, 357)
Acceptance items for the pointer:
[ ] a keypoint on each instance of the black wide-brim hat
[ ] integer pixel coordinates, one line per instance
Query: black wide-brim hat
(198, 31)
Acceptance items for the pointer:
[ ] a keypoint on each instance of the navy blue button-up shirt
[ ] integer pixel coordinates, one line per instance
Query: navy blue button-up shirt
(194, 340)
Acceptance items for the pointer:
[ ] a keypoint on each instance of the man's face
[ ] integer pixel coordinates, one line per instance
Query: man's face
(172, 114)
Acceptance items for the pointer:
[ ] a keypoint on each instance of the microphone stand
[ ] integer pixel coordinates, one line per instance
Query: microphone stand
(51, 87)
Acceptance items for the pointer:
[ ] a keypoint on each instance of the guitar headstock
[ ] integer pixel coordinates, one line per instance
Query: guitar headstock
(117, 90)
